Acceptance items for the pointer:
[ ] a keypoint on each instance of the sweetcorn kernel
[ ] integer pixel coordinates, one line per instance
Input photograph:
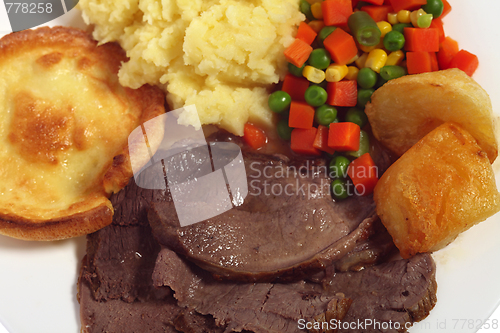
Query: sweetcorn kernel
(414, 15)
(335, 72)
(361, 61)
(384, 28)
(395, 58)
(313, 74)
(392, 18)
(352, 73)
(376, 60)
(368, 49)
(316, 11)
(404, 16)
(316, 25)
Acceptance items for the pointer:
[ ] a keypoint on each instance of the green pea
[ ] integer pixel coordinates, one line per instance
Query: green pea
(294, 70)
(319, 58)
(325, 32)
(424, 21)
(338, 167)
(364, 96)
(340, 189)
(279, 101)
(399, 27)
(392, 72)
(367, 78)
(325, 115)
(284, 131)
(394, 40)
(364, 145)
(357, 116)
(315, 96)
(434, 7)
(305, 8)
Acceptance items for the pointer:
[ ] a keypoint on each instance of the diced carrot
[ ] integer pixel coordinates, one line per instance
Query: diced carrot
(364, 174)
(344, 136)
(447, 50)
(446, 8)
(306, 33)
(375, 2)
(301, 115)
(378, 13)
(341, 46)
(418, 39)
(321, 140)
(295, 87)
(418, 62)
(465, 61)
(298, 52)
(302, 141)
(438, 24)
(434, 62)
(254, 136)
(336, 12)
(342, 93)
(407, 4)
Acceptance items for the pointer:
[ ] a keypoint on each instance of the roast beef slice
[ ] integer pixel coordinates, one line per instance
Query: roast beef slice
(115, 315)
(120, 258)
(120, 262)
(287, 226)
(131, 204)
(401, 291)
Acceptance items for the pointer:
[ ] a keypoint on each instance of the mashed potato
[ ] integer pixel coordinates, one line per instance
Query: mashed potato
(220, 55)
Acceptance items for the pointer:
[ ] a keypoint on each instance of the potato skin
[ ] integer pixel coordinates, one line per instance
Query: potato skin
(439, 188)
(404, 110)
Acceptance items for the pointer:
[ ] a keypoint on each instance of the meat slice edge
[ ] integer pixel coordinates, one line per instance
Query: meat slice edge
(377, 294)
(287, 226)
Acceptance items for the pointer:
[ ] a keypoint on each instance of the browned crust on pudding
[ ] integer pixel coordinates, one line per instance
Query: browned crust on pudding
(43, 130)
(151, 99)
(67, 227)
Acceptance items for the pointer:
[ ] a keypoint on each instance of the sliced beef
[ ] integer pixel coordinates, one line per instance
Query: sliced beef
(377, 248)
(120, 261)
(120, 258)
(287, 226)
(115, 288)
(401, 291)
(256, 307)
(129, 283)
(116, 315)
(189, 321)
(131, 204)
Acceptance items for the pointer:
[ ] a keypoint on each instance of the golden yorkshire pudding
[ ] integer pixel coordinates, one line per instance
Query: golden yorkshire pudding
(64, 132)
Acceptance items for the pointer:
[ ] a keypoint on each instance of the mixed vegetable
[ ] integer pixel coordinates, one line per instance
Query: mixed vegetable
(342, 53)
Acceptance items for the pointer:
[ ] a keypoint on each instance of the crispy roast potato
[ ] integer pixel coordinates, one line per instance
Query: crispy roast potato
(404, 110)
(439, 188)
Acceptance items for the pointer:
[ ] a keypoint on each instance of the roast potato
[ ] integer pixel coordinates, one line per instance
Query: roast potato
(439, 188)
(403, 110)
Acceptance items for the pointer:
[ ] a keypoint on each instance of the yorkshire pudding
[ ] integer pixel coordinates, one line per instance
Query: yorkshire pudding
(65, 123)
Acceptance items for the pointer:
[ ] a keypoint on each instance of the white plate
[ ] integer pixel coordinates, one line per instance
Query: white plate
(38, 280)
